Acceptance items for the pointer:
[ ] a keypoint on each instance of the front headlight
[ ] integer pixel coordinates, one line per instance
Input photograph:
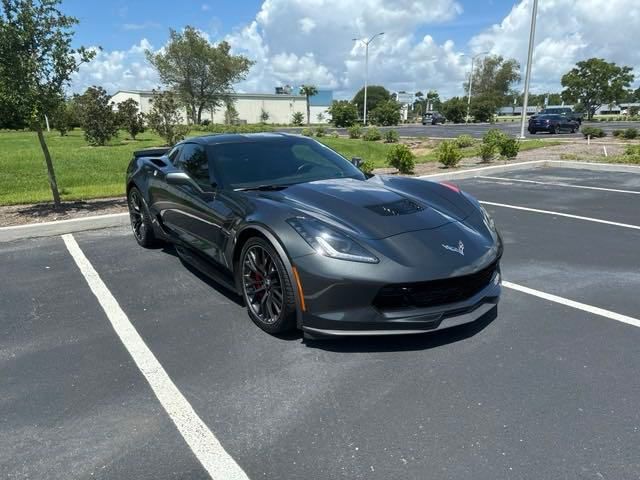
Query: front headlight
(328, 241)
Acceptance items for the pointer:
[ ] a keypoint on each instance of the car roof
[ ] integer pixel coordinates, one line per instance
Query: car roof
(218, 138)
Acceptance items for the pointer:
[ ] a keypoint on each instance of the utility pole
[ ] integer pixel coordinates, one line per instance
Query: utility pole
(366, 69)
(473, 59)
(527, 77)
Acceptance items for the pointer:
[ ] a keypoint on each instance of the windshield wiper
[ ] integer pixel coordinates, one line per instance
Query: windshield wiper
(262, 187)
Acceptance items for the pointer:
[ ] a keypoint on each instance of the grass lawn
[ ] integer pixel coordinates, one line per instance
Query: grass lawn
(85, 172)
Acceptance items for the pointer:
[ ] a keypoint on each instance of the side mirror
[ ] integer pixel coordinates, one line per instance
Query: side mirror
(356, 161)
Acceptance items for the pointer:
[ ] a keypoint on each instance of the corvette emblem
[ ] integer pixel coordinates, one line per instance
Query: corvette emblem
(459, 249)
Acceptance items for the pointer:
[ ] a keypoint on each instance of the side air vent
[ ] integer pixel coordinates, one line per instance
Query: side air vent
(401, 207)
(158, 162)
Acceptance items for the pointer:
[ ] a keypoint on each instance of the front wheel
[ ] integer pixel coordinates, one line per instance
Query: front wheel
(555, 130)
(266, 287)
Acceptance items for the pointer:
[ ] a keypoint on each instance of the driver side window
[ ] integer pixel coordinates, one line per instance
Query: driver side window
(193, 160)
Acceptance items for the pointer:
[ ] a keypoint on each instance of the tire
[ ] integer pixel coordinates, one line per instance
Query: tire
(555, 130)
(532, 131)
(141, 224)
(264, 278)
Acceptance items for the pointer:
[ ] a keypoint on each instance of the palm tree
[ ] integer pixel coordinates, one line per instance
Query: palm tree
(308, 91)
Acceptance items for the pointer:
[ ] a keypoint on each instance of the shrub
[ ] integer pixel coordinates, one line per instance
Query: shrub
(391, 136)
(355, 131)
(97, 117)
(335, 134)
(631, 154)
(593, 132)
(568, 156)
(463, 141)
(448, 153)
(401, 158)
(386, 113)
(321, 131)
(633, 111)
(631, 133)
(618, 133)
(343, 113)
(372, 134)
(307, 132)
(367, 167)
(297, 119)
(264, 116)
(223, 128)
(494, 137)
(509, 147)
(487, 151)
(483, 109)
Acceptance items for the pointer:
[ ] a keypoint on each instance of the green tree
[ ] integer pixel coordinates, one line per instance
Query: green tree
(386, 113)
(97, 117)
(65, 117)
(455, 109)
(36, 64)
(130, 118)
(482, 109)
(375, 95)
(343, 113)
(201, 74)
(264, 116)
(493, 79)
(308, 91)
(433, 100)
(595, 82)
(165, 118)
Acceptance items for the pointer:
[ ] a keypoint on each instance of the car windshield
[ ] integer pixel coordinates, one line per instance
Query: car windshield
(277, 162)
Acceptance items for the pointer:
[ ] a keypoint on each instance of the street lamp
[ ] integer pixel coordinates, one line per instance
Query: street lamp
(527, 77)
(366, 69)
(473, 59)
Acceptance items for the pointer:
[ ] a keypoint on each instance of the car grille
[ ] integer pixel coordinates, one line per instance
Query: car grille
(434, 292)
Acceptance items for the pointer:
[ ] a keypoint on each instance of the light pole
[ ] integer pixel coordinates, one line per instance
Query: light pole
(473, 59)
(527, 77)
(366, 69)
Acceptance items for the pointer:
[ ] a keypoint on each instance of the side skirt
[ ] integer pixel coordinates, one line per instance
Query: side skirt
(207, 268)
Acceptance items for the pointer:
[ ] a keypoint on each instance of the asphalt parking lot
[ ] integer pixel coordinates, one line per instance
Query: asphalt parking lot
(477, 130)
(547, 389)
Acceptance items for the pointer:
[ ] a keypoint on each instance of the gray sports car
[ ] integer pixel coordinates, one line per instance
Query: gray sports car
(309, 241)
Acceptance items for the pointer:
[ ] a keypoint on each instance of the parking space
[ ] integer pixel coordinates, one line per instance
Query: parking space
(543, 390)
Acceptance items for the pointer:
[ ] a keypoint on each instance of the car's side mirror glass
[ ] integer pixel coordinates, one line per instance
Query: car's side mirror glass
(356, 161)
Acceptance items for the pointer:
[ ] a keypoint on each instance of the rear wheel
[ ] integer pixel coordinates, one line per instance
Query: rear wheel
(141, 220)
(266, 287)
(556, 129)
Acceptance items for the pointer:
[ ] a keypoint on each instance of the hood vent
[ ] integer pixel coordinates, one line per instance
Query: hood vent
(401, 207)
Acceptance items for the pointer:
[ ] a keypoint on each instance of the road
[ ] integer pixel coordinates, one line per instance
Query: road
(478, 130)
(548, 389)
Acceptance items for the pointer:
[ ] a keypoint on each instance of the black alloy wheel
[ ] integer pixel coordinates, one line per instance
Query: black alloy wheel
(266, 287)
(140, 220)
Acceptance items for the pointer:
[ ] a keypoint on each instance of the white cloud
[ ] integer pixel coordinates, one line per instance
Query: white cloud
(566, 32)
(118, 70)
(205, 7)
(140, 26)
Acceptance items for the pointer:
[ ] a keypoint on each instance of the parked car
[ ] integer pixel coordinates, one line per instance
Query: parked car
(433, 118)
(565, 111)
(309, 241)
(552, 124)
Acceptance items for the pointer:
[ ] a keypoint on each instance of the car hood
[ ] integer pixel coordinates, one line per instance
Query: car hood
(369, 209)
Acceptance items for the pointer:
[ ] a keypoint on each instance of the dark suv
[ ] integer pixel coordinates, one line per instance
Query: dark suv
(552, 124)
(565, 111)
(433, 118)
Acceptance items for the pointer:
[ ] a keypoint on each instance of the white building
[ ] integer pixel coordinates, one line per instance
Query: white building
(249, 106)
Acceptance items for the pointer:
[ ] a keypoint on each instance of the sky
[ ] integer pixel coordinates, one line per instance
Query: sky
(427, 44)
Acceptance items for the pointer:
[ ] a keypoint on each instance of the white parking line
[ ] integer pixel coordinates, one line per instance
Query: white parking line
(206, 447)
(570, 303)
(560, 214)
(568, 185)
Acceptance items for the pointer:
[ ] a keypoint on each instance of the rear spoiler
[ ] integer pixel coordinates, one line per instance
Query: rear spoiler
(151, 152)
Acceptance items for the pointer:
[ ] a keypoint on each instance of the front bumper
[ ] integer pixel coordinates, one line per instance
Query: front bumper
(339, 307)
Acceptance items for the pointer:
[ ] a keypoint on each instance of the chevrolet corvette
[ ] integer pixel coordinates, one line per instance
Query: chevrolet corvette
(311, 242)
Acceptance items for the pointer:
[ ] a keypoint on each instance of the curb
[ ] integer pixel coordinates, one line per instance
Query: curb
(60, 227)
(96, 222)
